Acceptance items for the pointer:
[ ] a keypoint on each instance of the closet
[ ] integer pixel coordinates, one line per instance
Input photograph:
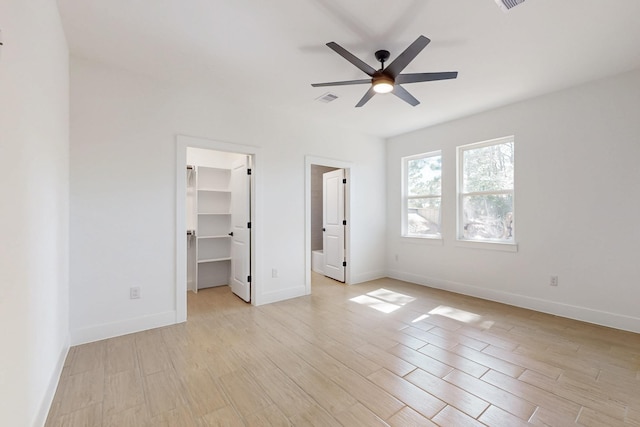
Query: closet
(209, 225)
(213, 200)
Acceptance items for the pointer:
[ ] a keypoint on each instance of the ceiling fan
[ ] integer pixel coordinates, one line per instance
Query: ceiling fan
(388, 79)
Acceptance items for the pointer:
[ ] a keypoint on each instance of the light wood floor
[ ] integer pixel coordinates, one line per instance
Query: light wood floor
(334, 358)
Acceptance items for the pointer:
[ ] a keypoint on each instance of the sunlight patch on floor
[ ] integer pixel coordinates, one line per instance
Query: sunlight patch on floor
(461, 316)
(391, 296)
(419, 318)
(383, 300)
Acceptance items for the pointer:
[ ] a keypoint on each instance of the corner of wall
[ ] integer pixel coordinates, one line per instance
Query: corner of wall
(123, 327)
(50, 392)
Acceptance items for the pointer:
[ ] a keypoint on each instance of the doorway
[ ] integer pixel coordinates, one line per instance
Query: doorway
(218, 221)
(215, 208)
(327, 232)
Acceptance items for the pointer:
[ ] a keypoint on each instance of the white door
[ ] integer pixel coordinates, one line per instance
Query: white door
(241, 229)
(333, 225)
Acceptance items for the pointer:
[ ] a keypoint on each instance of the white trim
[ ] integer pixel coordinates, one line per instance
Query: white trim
(584, 314)
(50, 392)
(488, 142)
(367, 276)
(422, 240)
(182, 142)
(283, 294)
(484, 244)
(347, 166)
(122, 327)
(421, 155)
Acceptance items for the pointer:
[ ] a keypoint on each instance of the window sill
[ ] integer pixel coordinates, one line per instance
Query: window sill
(415, 240)
(493, 246)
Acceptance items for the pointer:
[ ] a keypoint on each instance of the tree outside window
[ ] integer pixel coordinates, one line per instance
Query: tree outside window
(486, 191)
(422, 201)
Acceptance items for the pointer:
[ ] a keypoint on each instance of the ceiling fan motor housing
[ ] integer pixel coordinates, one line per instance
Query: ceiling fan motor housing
(380, 77)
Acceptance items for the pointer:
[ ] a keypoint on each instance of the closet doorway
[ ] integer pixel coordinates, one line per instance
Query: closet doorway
(215, 206)
(218, 226)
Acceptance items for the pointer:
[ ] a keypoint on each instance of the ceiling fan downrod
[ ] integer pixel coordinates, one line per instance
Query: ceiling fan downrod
(382, 56)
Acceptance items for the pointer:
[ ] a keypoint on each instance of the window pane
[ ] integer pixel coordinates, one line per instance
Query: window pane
(423, 176)
(488, 217)
(488, 168)
(423, 217)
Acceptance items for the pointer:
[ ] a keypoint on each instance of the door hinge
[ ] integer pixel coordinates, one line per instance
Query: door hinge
(344, 222)
(249, 279)
(344, 180)
(344, 263)
(248, 225)
(248, 171)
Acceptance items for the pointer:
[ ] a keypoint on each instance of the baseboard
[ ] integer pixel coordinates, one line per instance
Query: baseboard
(280, 295)
(365, 277)
(598, 317)
(123, 327)
(50, 392)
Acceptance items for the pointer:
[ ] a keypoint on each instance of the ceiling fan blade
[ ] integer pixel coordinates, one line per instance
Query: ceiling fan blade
(402, 93)
(366, 68)
(344, 83)
(367, 96)
(425, 77)
(401, 62)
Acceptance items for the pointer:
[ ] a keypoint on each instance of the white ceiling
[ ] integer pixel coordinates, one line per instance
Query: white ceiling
(267, 53)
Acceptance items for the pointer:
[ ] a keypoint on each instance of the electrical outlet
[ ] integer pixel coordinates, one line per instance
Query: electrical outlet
(134, 292)
(553, 281)
(274, 273)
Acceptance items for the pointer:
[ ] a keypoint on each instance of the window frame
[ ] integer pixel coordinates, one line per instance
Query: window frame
(498, 244)
(404, 231)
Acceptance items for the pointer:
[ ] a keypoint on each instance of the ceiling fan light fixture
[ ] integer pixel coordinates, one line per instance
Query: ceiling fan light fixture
(382, 84)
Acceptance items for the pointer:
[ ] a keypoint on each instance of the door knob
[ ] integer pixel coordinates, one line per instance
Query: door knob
(231, 234)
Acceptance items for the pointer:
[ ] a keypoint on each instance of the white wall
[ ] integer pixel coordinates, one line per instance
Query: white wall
(576, 208)
(123, 178)
(34, 147)
(212, 158)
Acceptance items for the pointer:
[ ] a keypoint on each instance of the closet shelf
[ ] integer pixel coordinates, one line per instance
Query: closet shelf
(214, 190)
(212, 210)
(200, 261)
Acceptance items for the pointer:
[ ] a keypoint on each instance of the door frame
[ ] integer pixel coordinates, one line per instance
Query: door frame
(182, 143)
(333, 163)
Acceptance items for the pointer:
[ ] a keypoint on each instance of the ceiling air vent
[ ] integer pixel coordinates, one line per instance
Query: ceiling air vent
(505, 5)
(327, 97)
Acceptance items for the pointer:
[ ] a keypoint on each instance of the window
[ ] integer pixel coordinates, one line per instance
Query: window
(422, 195)
(485, 191)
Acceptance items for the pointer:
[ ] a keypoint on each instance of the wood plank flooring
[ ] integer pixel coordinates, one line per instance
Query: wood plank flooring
(382, 353)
